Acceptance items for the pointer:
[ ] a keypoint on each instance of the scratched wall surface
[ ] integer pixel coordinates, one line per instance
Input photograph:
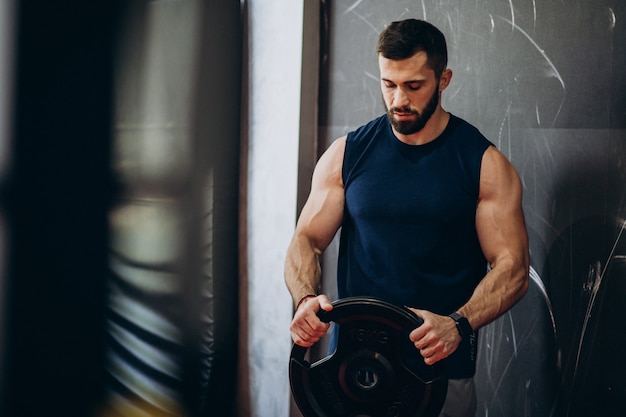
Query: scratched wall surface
(545, 80)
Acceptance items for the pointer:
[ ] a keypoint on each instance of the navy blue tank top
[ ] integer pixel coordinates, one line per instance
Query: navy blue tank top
(409, 234)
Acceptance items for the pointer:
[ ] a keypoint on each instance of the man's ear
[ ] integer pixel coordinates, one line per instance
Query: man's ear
(445, 78)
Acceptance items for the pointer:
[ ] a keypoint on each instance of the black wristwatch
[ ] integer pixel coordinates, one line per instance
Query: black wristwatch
(462, 325)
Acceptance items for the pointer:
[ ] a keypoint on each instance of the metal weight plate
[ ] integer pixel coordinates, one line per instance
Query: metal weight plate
(375, 371)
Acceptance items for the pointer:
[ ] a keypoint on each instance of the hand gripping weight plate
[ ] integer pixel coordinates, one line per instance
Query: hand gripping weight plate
(375, 371)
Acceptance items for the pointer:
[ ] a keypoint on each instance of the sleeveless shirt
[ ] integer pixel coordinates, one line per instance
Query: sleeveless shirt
(409, 234)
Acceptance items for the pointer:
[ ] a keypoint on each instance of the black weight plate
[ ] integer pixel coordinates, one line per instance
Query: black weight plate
(375, 371)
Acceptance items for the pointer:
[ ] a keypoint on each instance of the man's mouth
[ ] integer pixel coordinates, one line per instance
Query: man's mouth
(403, 114)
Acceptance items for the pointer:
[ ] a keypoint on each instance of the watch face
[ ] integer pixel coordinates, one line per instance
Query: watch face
(466, 329)
(462, 324)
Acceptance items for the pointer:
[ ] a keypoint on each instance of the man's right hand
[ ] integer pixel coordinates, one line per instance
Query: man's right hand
(306, 327)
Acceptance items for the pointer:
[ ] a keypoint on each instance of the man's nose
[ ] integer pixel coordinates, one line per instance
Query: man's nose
(400, 98)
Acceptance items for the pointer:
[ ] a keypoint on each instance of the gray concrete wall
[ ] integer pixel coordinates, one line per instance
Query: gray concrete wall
(273, 115)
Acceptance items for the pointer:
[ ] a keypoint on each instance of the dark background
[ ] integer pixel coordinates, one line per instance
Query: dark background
(546, 82)
(67, 317)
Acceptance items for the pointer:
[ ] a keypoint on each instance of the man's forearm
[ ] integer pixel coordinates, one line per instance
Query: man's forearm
(498, 291)
(302, 270)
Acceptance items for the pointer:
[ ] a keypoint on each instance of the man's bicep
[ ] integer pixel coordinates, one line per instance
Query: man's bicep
(500, 218)
(502, 231)
(322, 213)
(321, 217)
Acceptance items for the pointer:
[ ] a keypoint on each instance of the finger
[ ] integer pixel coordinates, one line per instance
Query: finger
(430, 355)
(312, 321)
(431, 360)
(418, 334)
(434, 353)
(308, 329)
(324, 303)
(420, 345)
(419, 313)
(301, 336)
(301, 342)
(303, 339)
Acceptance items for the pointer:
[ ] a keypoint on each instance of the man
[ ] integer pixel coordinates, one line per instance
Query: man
(430, 214)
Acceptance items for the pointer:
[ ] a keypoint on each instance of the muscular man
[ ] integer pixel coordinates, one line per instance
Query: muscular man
(430, 215)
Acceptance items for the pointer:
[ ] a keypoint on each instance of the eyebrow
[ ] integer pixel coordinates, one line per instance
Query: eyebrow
(406, 82)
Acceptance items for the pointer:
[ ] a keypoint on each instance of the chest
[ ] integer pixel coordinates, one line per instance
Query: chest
(387, 186)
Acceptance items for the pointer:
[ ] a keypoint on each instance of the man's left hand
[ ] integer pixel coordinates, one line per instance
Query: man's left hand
(437, 338)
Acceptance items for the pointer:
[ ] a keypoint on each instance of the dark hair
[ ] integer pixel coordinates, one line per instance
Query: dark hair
(405, 38)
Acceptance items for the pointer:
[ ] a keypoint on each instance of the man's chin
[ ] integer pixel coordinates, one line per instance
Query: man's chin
(406, 128)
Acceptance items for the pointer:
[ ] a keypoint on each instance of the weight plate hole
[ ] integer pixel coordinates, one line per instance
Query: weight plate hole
(366, 378)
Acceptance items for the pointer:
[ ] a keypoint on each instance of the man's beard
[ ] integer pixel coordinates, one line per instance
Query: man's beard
(413, 126)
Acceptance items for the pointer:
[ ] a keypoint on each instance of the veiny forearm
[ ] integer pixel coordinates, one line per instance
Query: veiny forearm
(503, 286)
(302, 268)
